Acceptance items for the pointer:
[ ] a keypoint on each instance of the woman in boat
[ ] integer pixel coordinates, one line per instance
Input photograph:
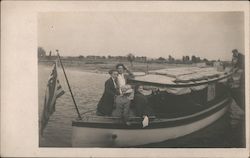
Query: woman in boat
(123, 75)
(141, 105)
(106, 103)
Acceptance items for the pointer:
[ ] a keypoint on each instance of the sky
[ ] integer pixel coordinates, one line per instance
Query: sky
(210, 35)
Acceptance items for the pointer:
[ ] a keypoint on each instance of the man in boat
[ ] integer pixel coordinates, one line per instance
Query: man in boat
(122, 103)
(123, 75)
(238, 60)
(238, 79)
(106, 103)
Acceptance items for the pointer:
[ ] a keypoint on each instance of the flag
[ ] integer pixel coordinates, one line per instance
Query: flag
(53, 91)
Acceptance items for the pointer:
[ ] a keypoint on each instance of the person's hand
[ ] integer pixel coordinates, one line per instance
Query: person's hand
(125, 67)
(155, 90)
(145, 121)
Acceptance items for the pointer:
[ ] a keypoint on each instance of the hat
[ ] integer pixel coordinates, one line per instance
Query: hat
(235, 51)
(120, 64)
(126, 89)
(128, 92)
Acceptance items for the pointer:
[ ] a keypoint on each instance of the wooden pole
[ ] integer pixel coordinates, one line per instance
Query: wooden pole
(147, 67)
(77, 110)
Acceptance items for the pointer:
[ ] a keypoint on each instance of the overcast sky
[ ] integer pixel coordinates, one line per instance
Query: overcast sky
(210, 35)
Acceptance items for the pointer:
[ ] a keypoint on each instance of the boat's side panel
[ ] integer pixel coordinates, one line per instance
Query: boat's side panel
(103, 137)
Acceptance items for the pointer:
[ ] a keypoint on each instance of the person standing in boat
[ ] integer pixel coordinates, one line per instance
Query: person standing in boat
(123, 75)
(106, 103)
(238, 78)
(238, 60)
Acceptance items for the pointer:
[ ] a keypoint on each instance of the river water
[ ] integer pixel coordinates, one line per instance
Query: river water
(88, 87)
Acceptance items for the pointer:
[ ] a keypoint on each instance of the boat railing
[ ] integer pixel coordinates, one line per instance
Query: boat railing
(89, 115)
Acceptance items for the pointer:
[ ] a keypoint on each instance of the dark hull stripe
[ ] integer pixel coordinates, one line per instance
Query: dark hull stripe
(152, 125)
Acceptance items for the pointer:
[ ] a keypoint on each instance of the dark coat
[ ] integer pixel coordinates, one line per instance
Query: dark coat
(141, 105)
(241, 61)
(106, 103)
(240, 58)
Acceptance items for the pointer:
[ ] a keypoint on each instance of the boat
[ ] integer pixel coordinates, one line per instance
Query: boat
(187, 100)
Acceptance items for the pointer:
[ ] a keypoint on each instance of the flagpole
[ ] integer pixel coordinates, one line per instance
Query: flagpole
(77, 110)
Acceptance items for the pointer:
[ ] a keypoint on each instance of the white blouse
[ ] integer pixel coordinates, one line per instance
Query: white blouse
(121, 80)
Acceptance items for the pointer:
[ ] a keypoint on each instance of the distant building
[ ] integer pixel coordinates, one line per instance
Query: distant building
(91, 57)
(217, 63)
(141, 59)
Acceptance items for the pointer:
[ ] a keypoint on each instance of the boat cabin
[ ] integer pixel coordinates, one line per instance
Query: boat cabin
(183, 91)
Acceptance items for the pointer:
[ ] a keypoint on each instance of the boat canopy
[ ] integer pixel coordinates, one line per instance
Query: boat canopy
(182, 80)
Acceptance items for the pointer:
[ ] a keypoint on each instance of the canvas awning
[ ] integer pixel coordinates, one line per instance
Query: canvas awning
(181, 80)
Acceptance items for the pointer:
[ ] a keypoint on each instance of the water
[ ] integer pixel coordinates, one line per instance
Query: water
(88, 87)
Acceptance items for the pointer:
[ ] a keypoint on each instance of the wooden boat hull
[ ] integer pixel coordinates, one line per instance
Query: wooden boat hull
(96, 134)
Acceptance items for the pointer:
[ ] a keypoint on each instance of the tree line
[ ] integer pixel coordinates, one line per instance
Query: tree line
(129, 57)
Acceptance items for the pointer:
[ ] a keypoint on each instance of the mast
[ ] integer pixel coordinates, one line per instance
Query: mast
(76, 107)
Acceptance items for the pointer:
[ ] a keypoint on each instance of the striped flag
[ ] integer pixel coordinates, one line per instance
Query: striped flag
(53, 91)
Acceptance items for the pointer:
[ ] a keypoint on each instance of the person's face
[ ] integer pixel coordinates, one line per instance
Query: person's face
(140, 89)
(235, 53)
(120, 69)
(114, 74)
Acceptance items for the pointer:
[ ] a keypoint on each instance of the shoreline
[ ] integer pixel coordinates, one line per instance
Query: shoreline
(74, 68)
(103, 68)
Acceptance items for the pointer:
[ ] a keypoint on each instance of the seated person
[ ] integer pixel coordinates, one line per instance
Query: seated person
(123, 75)
(122, 103)
(141, 105)
(106, 103)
